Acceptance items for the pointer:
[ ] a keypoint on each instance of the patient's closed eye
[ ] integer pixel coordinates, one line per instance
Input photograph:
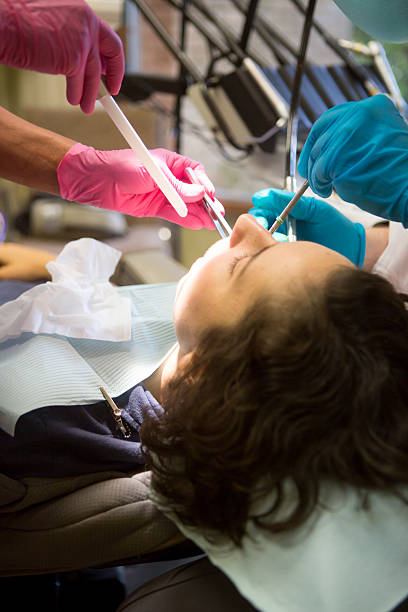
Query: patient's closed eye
(235, 260)
(249, 257)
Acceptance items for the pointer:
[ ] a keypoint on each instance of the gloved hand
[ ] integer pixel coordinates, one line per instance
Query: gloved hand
(117, 180)
(316, 221)
(67, 38)
(361, 150)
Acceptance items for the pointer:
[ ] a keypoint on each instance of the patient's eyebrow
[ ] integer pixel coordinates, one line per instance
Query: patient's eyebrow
(248, 263)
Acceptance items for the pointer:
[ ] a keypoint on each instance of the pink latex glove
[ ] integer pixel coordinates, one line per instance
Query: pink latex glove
(62, 37)
(117, 180)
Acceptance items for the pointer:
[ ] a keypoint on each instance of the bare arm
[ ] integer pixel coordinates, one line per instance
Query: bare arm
(29, 154)
(20, 262)
(376, 242)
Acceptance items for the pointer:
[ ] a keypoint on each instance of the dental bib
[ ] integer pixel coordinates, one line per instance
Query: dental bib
(49, 370)
(344, 558)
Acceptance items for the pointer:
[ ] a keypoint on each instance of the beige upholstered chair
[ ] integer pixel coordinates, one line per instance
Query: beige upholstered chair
(54, 525)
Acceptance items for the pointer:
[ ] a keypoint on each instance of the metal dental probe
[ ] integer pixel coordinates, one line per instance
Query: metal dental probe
(217, 218)
(281, 218)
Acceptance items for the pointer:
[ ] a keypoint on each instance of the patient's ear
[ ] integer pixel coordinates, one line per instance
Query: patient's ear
(174, 365)
(183, 360)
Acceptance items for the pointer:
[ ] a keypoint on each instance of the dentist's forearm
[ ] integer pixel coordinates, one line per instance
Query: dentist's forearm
(376, 243)
(29, 155)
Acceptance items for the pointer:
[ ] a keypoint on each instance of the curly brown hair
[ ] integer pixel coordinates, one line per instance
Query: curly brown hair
(309, 390)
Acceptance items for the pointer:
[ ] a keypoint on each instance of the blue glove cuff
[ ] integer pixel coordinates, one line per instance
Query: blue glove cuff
(362, 237)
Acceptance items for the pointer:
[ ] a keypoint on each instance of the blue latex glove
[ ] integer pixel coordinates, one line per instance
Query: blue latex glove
(316, 221)
(361, 150)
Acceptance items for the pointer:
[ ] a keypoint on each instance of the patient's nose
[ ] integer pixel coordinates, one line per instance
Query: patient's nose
(248, 231)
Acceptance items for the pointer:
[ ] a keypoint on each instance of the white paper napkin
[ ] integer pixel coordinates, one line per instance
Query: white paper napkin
(79, 302)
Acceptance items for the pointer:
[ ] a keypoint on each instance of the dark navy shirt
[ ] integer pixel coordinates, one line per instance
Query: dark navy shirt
(58, 441)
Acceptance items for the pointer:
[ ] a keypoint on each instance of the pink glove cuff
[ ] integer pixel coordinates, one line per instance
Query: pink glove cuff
(69, 174)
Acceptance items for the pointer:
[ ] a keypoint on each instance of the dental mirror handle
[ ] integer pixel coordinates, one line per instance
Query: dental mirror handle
(136, 143)
(281, 218)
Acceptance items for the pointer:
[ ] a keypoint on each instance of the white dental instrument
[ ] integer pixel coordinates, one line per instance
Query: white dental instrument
(280, 218)
(136, 143)
(213, 207)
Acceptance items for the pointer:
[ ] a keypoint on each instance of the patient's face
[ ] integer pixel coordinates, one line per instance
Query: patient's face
(221, 286)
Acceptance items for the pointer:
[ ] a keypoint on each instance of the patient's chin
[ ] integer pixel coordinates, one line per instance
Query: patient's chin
(192, 271)
(219, 247)
(180, 285)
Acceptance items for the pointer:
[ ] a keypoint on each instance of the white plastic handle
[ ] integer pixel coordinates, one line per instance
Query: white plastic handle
(136, 143)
